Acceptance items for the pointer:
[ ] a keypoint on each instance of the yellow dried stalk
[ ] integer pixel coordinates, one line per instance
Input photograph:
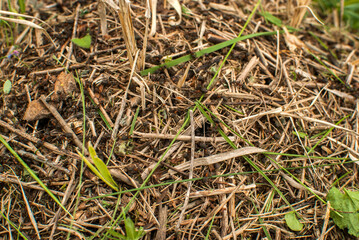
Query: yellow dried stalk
(124, 14)
(127, 27)
(300, 9)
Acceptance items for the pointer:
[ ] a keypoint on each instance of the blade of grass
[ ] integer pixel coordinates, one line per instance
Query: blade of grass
(322, 44)
(210, 227)
(101, 167)
(297, 180)
(22, 6)
(267, 206)
(326, 134)
(13, 225)
(134, 121)
(217, 176)
(248, 159)
(211, 49)
(199, 106)
(234, 110)
(329, 70)
(111, 152)
(81, 86)
(33, 175)
(99, 172)
(340, 178)
(265, 230)
(228, 127)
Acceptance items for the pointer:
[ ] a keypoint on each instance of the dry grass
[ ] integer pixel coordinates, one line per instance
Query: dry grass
(271, 91)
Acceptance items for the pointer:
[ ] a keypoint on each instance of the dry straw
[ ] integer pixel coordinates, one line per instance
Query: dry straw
(300, 9)
(123, 11)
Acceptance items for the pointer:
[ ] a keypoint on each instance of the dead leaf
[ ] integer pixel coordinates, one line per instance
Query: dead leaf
(64, 85)
(292, 41)
(36, 111)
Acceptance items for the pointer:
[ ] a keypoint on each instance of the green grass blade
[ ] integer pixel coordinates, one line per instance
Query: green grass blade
(222, 175)
(89, 164)
(210, 227)
(271, 18)
(297, 180)
(22, 6)
(247, 159)
(233, 109)
(97, 171)
(326, 134)
(101, 167)
(228, 127)
(134, 121)
(325, 66)
(13, 225)
(211, 49)
(265, 230)
(340, 178)
(200, 108)
(33, 175)
(92, 151)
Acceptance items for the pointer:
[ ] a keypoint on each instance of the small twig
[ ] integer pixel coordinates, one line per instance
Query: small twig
(217, 209)
(161, 233)
(326, 220)
(73, 36)
(193, 145)
(60, 69)
(221, 191)
(29, 211)
(101, 8)
(105, 50)
(123, 103)
(69, 190)
(156, 160)
(251, 65)
(352, 151)
(181, 137)
(349, 78)
(96, 101)
(42, 160)
(62, 122)
(31, 186)
(37, 140)
(260, 54)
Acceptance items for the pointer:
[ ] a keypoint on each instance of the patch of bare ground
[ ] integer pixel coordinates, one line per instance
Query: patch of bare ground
(272, 95)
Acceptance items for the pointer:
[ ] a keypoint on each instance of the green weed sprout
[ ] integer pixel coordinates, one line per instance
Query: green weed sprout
(131, 232)
(100, 168)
